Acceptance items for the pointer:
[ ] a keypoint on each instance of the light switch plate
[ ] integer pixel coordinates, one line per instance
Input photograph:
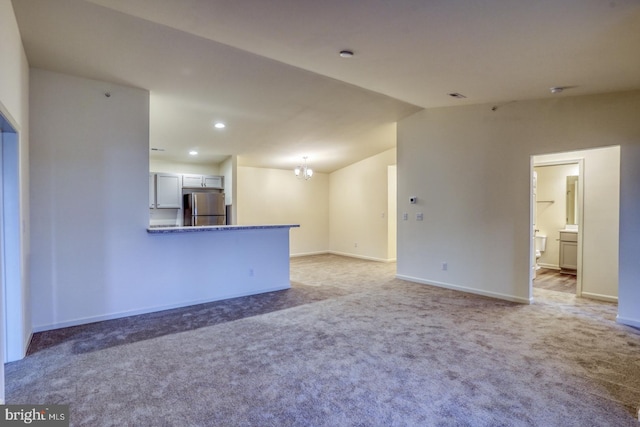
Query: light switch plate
(419, 216)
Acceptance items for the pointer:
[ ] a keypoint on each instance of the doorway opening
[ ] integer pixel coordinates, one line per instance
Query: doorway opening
(575, 207)
(13, 299)
(557, 212)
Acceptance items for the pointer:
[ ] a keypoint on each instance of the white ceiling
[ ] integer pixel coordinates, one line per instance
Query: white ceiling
(271, 69)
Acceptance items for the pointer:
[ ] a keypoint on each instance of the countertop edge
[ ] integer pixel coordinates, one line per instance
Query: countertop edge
(211, 228)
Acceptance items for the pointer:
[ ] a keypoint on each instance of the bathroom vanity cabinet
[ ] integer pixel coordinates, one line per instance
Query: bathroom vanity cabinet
(568, 252)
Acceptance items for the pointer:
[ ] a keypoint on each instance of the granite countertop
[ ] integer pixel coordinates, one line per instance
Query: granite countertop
(163, 229)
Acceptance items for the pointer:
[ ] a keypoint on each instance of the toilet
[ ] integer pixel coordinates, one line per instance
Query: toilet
(541, 245)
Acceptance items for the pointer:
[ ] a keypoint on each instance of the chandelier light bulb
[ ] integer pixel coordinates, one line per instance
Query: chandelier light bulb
(303, 171)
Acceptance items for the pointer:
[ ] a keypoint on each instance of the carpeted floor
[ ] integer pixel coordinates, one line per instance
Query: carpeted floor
(348, 345)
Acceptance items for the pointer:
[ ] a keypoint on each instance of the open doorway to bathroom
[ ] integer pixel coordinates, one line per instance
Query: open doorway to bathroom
(575, 207)
(558, 207)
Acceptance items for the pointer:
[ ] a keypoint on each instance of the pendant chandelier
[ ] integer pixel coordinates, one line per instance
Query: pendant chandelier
(303, 171)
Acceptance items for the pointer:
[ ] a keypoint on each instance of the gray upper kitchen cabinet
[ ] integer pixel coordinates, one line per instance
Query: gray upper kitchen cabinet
(192, 180)
(168, 191)
(212, 181)
(152, 190)
(200, 181)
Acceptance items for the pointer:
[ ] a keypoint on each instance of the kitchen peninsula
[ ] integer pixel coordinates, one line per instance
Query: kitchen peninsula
(171, 230)
(206, 259)
(210, 263)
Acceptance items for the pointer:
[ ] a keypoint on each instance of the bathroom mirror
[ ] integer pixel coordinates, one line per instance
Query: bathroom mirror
(572, 200)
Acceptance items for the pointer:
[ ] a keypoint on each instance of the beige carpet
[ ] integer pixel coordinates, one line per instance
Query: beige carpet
(349, 345)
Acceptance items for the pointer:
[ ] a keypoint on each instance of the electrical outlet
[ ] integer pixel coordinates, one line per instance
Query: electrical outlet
(405, 216)
(419, 216)
(445, 266)
(355, 245)
(251, 272)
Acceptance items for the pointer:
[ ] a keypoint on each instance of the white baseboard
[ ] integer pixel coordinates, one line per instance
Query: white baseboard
(27, 343)
(629, 322)
(511, 298)
(549, 266)
(599, 297)
(368, 258)
(308, 254)
(102, 318)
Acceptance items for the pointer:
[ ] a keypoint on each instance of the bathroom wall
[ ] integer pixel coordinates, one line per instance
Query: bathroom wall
(551, 208)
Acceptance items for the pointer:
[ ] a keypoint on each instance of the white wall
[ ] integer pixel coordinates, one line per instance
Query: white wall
(92, 258)
(392, 212)
(601, 228)
(470, 167)
(156, 165)
(14, 106)
(551, 208)
(229, 169)
(354, 205)
(629, 249)
(359, 203)
(14, 69)
(276, 196)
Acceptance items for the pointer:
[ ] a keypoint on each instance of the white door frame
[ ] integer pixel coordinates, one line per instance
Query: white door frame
(580, 162)
(14, 337)
(3, 323)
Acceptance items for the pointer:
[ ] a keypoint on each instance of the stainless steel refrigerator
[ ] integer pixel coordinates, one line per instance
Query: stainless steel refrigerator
(201, 208)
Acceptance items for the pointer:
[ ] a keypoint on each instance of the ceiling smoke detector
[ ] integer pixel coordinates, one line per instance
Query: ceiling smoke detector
(346, 53)
(456, 95)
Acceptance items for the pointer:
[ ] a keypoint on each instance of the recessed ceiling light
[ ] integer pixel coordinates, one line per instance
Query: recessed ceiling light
(193, 152)
(560, 89)
(219, 125)
(346, 53)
